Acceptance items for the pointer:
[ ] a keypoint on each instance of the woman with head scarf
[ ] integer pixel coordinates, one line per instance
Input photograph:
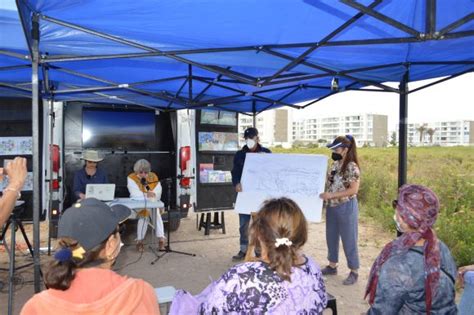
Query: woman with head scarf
(415, 273)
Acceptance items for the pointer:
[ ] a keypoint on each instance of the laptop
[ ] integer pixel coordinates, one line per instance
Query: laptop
(103, 192)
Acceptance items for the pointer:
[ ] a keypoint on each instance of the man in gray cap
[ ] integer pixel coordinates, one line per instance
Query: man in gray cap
(251, 146)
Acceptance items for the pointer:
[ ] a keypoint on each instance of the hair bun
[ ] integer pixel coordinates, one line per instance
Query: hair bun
(63, 255)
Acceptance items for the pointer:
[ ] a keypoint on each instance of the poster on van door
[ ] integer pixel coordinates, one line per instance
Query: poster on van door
(300, 177)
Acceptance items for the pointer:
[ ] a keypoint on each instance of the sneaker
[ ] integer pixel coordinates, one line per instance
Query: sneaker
(240, 256)
(351, 278)
(329, 271)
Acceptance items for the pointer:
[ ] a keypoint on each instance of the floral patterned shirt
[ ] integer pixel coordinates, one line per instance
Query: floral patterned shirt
(254, 288)
(338, 181)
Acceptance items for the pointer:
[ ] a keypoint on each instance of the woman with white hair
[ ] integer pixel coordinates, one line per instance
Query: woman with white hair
(143, 183)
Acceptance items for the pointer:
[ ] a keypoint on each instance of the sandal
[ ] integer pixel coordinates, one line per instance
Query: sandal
(161, 243)
(140, 246)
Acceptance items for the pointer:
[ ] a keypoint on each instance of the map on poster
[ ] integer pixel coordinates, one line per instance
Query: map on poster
(218, 141)
(300, 177)
(26, 187)
(16, 145)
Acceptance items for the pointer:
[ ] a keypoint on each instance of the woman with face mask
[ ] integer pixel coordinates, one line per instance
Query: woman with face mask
(80, 279)
(342, 210)
(415, 273)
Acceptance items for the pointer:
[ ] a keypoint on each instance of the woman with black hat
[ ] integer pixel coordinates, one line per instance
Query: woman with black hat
(342, 209)
(80, 279)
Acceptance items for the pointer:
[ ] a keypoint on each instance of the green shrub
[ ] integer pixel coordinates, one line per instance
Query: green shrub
(449, 172)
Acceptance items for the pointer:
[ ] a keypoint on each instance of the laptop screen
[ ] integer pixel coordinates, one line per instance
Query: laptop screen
(103, 192)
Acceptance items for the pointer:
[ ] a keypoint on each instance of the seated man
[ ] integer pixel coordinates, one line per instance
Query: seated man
(143, 183)
(89, 174)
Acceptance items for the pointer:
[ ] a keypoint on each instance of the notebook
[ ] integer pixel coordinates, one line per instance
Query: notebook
(103, 192)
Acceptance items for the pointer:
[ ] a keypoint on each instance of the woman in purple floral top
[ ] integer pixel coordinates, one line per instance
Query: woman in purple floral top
(283, 282)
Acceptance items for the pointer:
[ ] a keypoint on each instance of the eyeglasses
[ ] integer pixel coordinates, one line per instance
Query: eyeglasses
(143, 172)
(394, 203)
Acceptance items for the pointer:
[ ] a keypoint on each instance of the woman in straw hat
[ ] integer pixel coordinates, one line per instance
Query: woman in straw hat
(89, 174)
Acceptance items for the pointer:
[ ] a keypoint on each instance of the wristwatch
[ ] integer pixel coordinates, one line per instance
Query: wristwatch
(18, 193)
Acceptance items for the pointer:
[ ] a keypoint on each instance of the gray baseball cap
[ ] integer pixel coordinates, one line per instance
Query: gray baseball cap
(91, 221)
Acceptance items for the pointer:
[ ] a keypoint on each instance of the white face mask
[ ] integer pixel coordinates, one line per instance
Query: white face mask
(250, 143)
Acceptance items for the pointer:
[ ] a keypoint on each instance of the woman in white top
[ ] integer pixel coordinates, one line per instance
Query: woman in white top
(143, 183)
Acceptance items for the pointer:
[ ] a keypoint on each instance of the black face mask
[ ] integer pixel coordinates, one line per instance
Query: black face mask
(336, 156)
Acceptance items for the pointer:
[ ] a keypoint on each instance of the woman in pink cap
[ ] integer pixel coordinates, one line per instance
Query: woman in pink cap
(415, 273)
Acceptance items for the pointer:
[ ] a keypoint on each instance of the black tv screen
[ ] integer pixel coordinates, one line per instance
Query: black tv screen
(118, 129)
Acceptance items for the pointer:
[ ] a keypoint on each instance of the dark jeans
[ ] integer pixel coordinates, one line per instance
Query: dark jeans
(244, 220)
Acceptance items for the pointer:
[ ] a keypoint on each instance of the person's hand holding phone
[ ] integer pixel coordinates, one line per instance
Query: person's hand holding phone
(16, 171)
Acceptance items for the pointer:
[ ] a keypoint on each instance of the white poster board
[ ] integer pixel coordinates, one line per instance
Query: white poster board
(300, 177)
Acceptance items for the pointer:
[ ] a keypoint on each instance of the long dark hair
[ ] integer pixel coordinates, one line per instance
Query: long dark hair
(60, 274)
(280, 218)
(351, 155)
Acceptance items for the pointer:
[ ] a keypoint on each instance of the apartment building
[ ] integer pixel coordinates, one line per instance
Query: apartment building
(444, 133)
(367, 129)
(274, 127)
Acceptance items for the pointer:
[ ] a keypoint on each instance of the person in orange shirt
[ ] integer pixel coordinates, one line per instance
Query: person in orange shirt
(80, 279)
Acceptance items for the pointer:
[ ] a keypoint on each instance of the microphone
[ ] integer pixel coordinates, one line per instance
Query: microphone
(145, 183)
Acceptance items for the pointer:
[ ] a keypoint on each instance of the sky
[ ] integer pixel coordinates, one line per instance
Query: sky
(449, 100)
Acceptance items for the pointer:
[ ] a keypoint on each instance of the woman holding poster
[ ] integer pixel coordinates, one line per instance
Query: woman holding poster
(342, 210)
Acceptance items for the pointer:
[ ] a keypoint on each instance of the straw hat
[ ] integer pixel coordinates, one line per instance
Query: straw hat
(91, 155)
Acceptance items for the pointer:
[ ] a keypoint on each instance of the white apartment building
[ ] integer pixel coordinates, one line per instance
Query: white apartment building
(274, 127)
(444, 133)
(367, 129)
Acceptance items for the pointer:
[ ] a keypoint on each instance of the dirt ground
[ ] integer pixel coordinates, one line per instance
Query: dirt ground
(213, 257)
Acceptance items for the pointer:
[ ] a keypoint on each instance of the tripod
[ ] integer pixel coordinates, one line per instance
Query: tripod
(168, 249)
(14, 222)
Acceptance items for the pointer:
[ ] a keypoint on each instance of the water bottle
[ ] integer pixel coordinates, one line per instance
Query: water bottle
(466, 306)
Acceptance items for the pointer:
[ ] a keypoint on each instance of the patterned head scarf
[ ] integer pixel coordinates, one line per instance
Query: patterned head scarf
(418, 206)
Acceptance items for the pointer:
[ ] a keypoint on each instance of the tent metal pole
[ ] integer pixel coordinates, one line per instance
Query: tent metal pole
(456, 24)
(36, 169)
(254, 114)
(190, 83)
(327, 38)
(441, 80)
(402, 131)
(209, 85)
(381, 17)
(211, 68)
(330, 72)
(430, 22)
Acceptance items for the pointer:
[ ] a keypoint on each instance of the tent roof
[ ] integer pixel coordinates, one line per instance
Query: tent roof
(243, 55)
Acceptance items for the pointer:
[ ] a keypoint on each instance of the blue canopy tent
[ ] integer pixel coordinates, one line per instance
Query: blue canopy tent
(244, 56)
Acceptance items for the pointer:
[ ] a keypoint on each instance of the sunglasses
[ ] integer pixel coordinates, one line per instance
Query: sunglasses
(143, 172)
(394, 203)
